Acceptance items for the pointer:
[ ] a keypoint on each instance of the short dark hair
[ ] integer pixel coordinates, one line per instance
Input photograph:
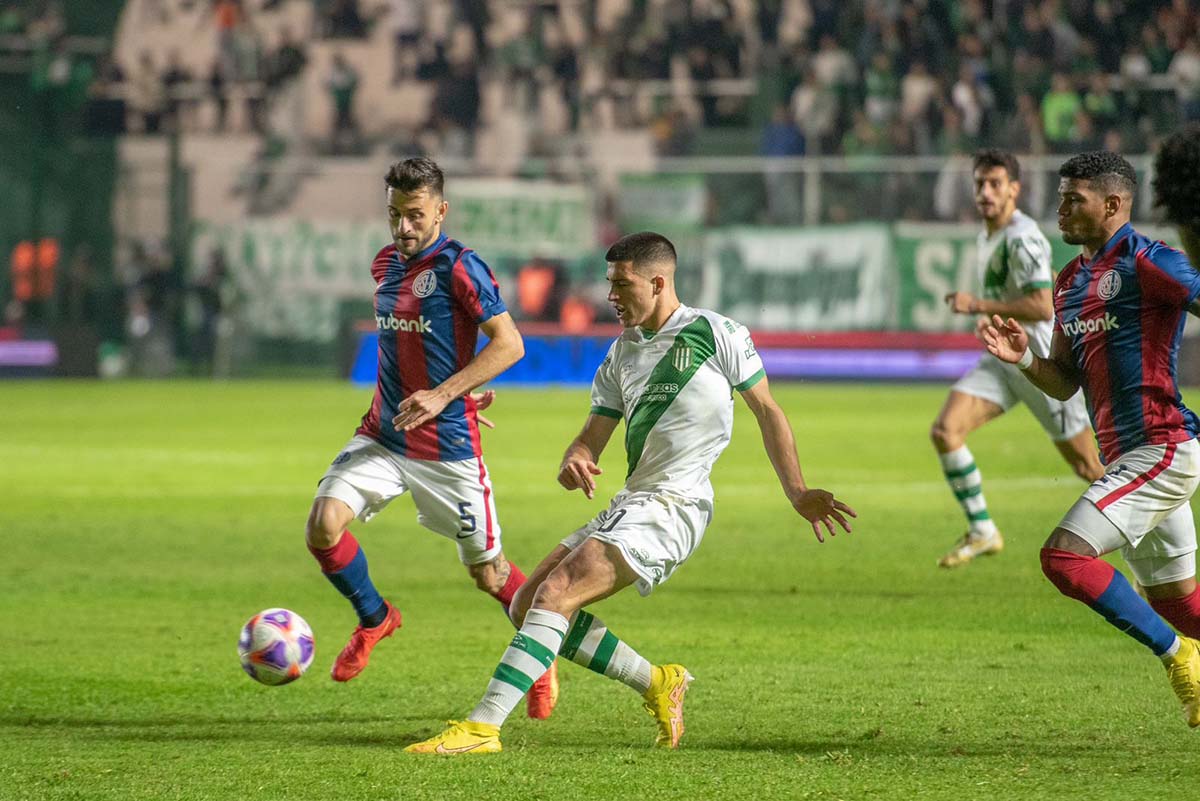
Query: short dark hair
(412, 175)
(1177, 178)
(644, 247)
(1103, 169)
(991, 157)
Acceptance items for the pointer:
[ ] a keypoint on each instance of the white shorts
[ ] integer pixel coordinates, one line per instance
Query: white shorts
(656, 532)
(1141, 507)
(1002, 384)
(453, 499)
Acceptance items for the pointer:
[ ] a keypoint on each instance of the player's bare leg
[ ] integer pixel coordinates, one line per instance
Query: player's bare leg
(345, 565)
(1073, 565)
(1080, 453)
(502, 580)
(960, 415)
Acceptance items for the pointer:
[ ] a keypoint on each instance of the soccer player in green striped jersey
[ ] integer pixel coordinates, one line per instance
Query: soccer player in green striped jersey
(670, 376)
(1013, 257)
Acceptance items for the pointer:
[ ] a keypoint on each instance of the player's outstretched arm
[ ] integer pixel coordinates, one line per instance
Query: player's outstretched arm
(504, 348)
(1035, 305)
(817, 506)
(578, 468)
(1008, 342)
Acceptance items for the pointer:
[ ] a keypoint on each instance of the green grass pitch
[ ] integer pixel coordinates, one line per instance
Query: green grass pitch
(144, 523)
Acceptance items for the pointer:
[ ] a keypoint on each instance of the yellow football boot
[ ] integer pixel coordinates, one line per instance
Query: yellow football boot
(664, 702)
(970, 546)
(1183, 671)
(465, 737)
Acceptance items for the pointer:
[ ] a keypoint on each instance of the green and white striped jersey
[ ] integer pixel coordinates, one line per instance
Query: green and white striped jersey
(674, 388)
(1013, 262)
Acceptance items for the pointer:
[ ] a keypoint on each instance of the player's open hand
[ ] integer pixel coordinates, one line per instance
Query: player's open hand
(820, 508)
(960, 302)
(577, 472)
(419, 408)
(482, 401)
(1005, 339)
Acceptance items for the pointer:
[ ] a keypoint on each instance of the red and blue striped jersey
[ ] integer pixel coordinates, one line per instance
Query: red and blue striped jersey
(428, 310)
(1123, 314)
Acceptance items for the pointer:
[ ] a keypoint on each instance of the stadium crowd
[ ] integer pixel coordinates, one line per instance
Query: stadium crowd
(813, 76)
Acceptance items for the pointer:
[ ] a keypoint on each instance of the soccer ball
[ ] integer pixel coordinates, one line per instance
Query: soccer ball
(276, 646)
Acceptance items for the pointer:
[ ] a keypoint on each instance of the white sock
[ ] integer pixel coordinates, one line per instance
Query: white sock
(966, 482)
(589, 643)
(527, 657)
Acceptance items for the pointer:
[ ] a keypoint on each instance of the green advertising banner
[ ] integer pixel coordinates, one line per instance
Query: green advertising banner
(292, 273)
(835, 278)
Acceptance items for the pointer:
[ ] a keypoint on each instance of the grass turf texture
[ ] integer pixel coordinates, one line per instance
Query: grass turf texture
(145, 522)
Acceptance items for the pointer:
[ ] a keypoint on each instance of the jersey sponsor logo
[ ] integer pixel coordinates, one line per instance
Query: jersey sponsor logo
(425, 284)
(1080, 326)
(658, 393)
(1110, 285)
(393, 323)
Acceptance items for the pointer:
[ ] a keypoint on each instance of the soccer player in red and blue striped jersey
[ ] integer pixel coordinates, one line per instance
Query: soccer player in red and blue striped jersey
(1120, 309)
(433, 296)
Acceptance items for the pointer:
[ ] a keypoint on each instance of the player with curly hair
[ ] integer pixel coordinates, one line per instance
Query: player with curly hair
(1120, 309)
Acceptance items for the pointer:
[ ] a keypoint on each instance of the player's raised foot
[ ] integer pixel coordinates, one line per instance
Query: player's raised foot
(353, 658)
(1183, 671)
(462, 737)
(664, 702)
(543, 695)
(972, 545)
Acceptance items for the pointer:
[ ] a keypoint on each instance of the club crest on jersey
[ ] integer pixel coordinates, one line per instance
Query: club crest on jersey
(681, 357)
(1109, 286)
(424, 285)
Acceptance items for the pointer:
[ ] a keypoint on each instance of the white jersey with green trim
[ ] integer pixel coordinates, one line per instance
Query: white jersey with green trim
(674, 389)
(1013, 262)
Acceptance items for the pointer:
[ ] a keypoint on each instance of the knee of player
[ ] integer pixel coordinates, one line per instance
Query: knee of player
(323, 528)
(942, 436)
(553, 592)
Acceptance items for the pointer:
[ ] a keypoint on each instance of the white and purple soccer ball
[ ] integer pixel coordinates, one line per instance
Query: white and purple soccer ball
(276, 646)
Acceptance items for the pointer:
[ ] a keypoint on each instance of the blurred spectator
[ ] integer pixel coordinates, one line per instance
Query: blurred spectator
(145, 96)
(176, 87)
(342, 83)
(882, 89)
(404, 22)
(208, 294)
(227, 16)
(674, 133)
(1059, 107)
(12, 20)
(344, 21)
(1185, 69)
(781, 138)
(1100, 102)
(815, 110)
(217, 89)
(285, 62)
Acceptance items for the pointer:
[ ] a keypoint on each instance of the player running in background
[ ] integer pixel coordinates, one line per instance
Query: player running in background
(1120, 313)
(671, 376)
(421, 435)
(1013, 258)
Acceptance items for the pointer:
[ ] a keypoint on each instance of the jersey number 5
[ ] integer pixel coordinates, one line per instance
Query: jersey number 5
(468, 519)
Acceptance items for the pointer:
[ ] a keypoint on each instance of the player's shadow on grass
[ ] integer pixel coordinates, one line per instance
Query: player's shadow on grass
(311, 729)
